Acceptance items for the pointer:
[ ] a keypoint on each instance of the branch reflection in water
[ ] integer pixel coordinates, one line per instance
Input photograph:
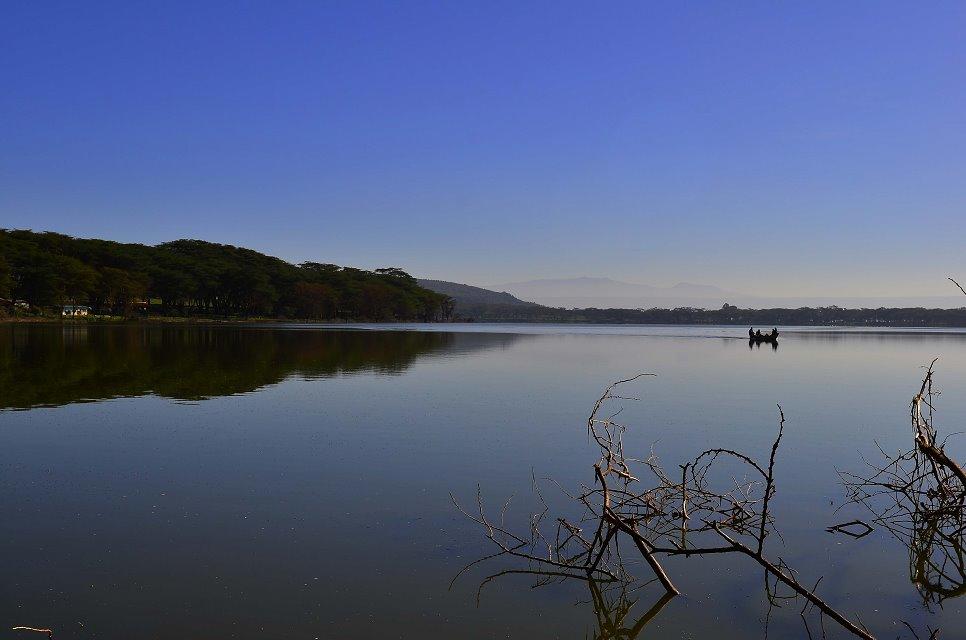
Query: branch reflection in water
(918, 497)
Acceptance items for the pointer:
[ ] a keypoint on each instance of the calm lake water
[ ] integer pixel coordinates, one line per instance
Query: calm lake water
(294, 482)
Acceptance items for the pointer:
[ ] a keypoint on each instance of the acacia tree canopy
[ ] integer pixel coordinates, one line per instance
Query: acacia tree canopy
(193, 277)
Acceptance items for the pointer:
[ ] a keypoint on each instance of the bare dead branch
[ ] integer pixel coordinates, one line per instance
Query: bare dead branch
(637, 500)
(919, 497)
(958, 285)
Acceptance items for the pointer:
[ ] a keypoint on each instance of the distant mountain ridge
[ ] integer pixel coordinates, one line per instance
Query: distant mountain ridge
(477, 304)
(587, 292)
(604, 286)
(469, 299)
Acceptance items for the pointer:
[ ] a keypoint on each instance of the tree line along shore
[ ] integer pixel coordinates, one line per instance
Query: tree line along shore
(45, 276)
(50, 274)
(726, 315)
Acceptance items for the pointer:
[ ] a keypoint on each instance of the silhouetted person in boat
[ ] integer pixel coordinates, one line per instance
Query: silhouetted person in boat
(774, 334)
(758, 335)
(751, 334)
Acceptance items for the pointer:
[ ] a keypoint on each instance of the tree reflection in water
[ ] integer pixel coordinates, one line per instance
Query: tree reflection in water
(53, 365)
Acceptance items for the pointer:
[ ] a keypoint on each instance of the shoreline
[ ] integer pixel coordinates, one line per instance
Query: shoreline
(816, 329)
(167, 320)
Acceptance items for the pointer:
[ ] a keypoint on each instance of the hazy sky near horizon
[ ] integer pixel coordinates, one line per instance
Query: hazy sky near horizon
(780, 148)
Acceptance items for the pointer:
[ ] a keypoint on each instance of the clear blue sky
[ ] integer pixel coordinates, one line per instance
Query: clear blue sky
(817, 147)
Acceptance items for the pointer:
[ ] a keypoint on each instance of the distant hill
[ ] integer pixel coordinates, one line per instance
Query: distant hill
(607, 293)
(483, 305)
(467, 294)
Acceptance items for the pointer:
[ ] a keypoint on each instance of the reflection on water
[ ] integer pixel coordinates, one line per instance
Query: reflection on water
(756, 344)
(617, 618)
(309, 495)
(49, 365)
(919, 497)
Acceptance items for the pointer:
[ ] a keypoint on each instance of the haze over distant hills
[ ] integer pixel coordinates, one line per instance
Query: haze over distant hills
(606, 293)
(475, 304)
(466, 294)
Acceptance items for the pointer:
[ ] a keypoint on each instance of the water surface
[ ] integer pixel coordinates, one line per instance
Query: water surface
(294, 482)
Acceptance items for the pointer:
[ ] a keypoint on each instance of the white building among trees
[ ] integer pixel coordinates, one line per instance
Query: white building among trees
(75, 310)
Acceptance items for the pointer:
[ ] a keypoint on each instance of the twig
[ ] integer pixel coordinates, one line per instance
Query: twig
(49, 632)
(844, 528)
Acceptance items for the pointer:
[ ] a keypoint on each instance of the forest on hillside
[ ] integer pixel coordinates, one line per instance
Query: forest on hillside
(197, 278)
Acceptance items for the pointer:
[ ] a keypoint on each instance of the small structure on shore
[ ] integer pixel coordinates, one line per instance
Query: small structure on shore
(71, 311)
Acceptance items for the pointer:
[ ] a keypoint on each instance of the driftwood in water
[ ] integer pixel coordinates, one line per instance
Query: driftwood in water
(639, 501)
(919, 497)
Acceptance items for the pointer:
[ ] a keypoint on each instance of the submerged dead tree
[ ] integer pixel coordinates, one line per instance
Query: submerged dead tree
(701, 509)
(919, 497)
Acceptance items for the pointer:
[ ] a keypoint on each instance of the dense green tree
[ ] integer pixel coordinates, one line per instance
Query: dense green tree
(315, 300)
(38, 281)
(6, 279)
(192, 277)
(77, 280)
(118, 290)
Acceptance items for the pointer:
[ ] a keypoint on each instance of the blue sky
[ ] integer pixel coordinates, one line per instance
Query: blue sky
(785, 148)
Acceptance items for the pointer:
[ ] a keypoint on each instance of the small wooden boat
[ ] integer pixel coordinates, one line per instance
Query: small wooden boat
(758, 337)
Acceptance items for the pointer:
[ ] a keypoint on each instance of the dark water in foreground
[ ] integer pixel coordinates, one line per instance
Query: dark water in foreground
(192, 482)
